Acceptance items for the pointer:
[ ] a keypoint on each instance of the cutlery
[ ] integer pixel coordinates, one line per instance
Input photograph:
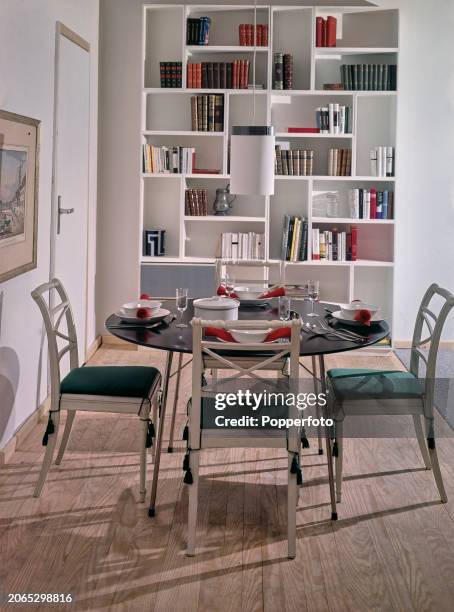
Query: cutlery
(323, 332)
(347, 332)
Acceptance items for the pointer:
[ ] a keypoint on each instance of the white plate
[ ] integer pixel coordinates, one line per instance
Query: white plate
(158, 316)
(338, 315)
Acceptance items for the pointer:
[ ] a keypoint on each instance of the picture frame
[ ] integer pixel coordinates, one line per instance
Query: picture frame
(19, 173)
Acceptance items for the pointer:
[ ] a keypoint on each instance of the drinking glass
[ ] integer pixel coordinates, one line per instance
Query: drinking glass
(284, 308)
(228, 283)
(182, 304)
(311, 290)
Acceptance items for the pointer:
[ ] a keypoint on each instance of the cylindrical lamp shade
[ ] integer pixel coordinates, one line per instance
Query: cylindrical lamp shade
(252, 160)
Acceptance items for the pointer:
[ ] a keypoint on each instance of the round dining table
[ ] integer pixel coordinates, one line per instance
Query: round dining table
(166, 336)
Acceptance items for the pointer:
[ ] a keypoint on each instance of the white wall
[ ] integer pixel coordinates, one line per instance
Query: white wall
(425, 192)
(27, 41)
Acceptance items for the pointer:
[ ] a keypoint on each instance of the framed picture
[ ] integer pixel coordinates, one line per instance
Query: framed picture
(19, 156)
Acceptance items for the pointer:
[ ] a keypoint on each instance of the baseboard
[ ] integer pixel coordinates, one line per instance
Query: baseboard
(94, 346)
(406, 344)
(24, 430)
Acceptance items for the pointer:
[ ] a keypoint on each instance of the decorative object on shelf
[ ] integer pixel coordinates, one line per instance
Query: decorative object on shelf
(196, 202)
(325, 203)
(333, 245)
(222, 205)
(171, 74)
(242, 245)
(207, 113)
(218, 75)
(371, 203)
(339, 162)
(246, 35)
(19, 151)
(294, 239)
(382, 161)
(334, 119)
(369, 77)
(154, 242)
(325, 31)
(293, 162)
(198, 31)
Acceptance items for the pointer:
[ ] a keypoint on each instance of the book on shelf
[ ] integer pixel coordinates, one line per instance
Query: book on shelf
(382, 161)
(303, 130)
(246, 35)
(198, 30)
(334, 245)
(170, 74)
(294, 238)
(205, 171)
(371, 203)
(218, 75)
(196, 202)
(333, 86)
(283, 71)
(207, 113)
(293, 162)
(325, 31)
(168, 160)
(339, 162)
(369, 77)
(242, 245)
(334, 119)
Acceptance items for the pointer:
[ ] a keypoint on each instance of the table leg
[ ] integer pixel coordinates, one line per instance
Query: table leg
(319, 428)
(165, 388)
(329, 454)
(175, 404)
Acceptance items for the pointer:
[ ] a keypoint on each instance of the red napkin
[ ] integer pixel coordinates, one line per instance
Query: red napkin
(145, 296)
(143, 313)
(223, 334)
(221, 291)
(363, 316)
(277, 292)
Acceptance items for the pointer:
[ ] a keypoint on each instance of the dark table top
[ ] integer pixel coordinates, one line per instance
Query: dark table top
(177, 339)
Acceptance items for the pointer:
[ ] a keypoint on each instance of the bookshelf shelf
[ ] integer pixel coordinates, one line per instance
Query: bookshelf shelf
(365, 35)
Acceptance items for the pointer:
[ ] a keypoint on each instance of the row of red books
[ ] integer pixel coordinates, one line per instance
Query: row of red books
(218, 75)
(325, 32)
(246, 31)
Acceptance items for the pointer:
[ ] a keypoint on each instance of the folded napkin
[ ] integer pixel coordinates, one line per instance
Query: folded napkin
(363, 316)
(276, 292)
(143, 313)
(145, 296)
(224, 334)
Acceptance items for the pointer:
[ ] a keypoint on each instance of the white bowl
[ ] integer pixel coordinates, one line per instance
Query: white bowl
(216, 308)
(245, 336)
(249, 293)
(348, 311)
(130, 308)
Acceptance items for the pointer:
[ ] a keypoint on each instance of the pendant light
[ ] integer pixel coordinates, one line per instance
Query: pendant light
(252, 149)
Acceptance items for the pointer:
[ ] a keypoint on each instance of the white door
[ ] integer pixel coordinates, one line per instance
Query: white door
(71, 156)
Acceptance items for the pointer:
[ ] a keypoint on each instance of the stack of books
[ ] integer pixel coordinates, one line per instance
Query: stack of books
(334, 119)
(218, 75)
(283, 71)
(294, 239)
(382, 161)
(246, 34)
(195, 202)
(325, 31)
(207, 113)
(293, 162)
(168, 160)
(371, 203)
(333, 245)
(170, 74)
(198, 31)
(371, 77)
(247, 246)
(339, 162)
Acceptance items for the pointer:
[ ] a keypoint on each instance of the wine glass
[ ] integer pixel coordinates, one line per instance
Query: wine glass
(182, 304)
(284, 308)
(228, 283)
(311, 292)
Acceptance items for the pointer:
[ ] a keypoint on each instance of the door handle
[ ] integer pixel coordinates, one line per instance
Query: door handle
(62, 211)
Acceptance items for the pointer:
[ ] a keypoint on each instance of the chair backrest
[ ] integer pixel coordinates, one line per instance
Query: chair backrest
(240, 269)
(212, 354)
(53, 317)
(434, 324)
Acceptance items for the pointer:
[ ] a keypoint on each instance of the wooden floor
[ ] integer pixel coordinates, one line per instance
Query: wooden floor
(392, 549)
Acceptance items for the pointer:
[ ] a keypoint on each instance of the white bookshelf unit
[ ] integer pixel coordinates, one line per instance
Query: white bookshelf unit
(364, 36)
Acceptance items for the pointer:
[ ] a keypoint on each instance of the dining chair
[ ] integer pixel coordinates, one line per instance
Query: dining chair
(114, 389)
(245, 360)
(364, 392)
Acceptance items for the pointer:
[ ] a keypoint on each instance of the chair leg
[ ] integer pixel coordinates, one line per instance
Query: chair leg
(193, 502)
(155, 423)
(64, 441)
(436, 470)
(329, 456)
(317, 409)
(48, 455)
(143, 460)
(421, 441)
(175, 403)
(292, 498)
(338, 459)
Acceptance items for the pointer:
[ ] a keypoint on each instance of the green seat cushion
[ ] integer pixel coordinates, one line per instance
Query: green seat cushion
(118, 381)
(349, 383)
